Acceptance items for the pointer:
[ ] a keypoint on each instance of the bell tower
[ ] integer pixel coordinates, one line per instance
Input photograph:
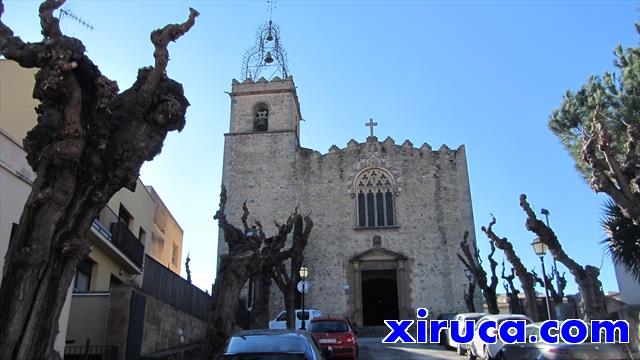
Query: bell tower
(262, 144)
(264, 107)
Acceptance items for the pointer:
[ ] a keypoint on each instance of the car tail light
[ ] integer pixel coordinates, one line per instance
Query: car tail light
(347, 338)
(559, 351)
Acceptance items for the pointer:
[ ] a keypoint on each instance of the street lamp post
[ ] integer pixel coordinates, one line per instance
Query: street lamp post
(540, 249)
(546, 214)
(304, 272)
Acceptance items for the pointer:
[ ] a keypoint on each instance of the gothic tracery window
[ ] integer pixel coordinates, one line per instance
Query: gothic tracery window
(375, 199)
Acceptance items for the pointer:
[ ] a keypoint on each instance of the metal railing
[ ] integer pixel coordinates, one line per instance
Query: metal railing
(119, 234)
(122, 237)
(173, 289)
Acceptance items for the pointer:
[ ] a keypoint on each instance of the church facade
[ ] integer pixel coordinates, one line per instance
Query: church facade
(388, 218)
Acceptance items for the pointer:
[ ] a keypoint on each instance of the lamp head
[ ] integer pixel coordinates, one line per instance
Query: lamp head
(539, 247)
(304, 272)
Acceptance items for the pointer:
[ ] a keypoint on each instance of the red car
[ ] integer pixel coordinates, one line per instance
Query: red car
(336, 333)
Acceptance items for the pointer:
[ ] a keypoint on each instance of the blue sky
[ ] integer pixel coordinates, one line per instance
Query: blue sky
(483, 74)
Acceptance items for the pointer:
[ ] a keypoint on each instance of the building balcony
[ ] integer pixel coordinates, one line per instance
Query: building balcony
(127, 242)
(118, 240)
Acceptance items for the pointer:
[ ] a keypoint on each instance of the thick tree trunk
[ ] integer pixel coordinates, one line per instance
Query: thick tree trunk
(593, 299)
(526, 280)
(89, 142)
(285, 284)
(290, 306)
(232, 275)
(260, 310)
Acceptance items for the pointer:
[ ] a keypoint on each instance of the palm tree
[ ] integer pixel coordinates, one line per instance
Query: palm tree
(623, 238)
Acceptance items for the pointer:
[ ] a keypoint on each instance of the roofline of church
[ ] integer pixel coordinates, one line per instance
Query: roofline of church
(407, 146)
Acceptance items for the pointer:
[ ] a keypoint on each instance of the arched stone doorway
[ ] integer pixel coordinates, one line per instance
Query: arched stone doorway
(379, 296)
(380, 283)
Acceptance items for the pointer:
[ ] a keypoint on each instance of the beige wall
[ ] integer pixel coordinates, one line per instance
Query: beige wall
(104, 266)
(167, 233)
(16, 99)
(139, 204)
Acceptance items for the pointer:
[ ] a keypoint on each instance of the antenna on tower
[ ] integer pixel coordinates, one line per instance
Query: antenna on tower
(272, 5)
(78, 19)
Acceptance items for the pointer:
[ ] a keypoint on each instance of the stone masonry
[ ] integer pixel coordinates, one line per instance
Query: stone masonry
(274, 174)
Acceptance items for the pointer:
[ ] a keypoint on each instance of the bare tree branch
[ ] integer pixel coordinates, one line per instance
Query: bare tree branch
(526, 281)
(471, 261)
(593, 300)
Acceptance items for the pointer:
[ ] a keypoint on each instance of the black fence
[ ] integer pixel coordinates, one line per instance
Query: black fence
(173, 289)
(91, 352)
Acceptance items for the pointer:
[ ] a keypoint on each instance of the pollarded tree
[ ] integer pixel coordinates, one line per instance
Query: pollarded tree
(526, 280)
(469, 294)
(90, 141)
(234, 270)
(600, 127)
(593, 299)
(511, 290)
(473, 262)
(287, 281)
(271, 266)
(251, 254)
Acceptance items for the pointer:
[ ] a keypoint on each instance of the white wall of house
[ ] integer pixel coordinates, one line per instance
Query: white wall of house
(628, 286)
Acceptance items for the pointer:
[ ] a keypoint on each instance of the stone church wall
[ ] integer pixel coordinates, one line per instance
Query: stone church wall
(433, 211)
(274, 175)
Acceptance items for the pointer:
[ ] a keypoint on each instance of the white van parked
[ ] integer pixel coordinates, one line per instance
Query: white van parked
(461, 349)
(280, 322)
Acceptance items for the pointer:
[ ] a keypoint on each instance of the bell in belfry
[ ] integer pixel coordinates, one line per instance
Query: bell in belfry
(261, 121)
(268, 59)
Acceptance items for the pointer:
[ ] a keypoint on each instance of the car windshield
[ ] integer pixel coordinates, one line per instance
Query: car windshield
(329, 326)
(255, 344)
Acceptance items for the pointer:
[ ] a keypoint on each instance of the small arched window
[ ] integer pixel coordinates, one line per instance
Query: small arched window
(375, 200)
(261, 117)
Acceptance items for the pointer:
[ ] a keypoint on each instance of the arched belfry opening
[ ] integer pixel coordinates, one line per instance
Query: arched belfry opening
(379, 283)
(261, 117)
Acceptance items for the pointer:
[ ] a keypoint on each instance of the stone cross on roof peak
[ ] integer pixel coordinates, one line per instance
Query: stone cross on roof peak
(371, 124)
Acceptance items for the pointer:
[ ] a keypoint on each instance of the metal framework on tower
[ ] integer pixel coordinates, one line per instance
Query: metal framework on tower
(267, 58)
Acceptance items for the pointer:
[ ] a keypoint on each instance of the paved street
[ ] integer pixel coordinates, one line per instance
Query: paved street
(372, 349)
